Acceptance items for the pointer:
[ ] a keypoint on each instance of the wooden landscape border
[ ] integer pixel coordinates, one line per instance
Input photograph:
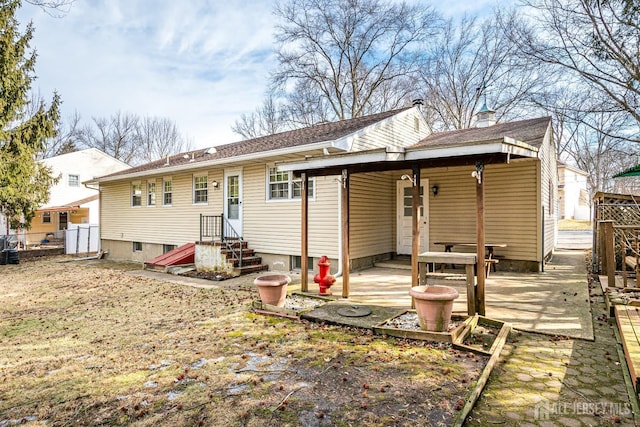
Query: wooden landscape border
(447, 337)
(262, 308)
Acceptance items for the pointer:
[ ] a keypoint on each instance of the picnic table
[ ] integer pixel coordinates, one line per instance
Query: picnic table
(490, 260)
(469, 261)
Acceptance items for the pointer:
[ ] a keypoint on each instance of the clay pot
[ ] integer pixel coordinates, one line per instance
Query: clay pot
(433, 306)
(272, 288)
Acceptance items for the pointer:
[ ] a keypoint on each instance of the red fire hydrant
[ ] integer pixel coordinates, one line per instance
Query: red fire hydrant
(323, 278)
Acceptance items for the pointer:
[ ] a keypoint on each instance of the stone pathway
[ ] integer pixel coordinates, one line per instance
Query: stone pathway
(553, 381)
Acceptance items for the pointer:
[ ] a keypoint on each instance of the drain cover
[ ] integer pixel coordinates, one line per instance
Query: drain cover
(354, 311)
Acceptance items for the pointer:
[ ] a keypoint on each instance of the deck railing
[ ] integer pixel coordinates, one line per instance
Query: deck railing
(216, 228)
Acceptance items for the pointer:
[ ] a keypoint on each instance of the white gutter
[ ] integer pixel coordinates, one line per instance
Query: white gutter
(501, 146)
(215, 162)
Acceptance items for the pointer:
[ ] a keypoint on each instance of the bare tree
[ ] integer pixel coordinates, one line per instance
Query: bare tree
(597, 42)
(158, 137)
(344, 53)
(471, 58)
(55, 8)
(67, 139)
(596, 152)
(132, 139)
(116, 136)
(268, 119)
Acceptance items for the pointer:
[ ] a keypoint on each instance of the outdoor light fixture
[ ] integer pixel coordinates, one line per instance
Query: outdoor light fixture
(434, 190)
(413, 180)
(214, 184)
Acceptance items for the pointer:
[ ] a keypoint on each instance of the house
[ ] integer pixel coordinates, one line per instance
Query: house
(573, 196)
(70, 201)
(256, 186)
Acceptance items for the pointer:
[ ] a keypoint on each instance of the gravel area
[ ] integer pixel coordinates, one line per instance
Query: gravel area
(409, 321)
(300, 302)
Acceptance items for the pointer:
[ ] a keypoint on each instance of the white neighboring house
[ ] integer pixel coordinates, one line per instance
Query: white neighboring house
(573, 194)
(70, 201)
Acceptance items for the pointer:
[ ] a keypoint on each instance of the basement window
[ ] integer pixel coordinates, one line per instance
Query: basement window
(137, 246)
(296, 263)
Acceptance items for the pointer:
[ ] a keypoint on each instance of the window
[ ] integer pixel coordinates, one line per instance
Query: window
(151, 193)
(168, 248)
(296, 262)
(281, 186)
(137, 246)
(167, 191)
(136, 194)
(46, 217)
(200, 188)
(74, 181)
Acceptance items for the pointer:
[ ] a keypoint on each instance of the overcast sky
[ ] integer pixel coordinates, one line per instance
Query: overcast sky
(199, 63)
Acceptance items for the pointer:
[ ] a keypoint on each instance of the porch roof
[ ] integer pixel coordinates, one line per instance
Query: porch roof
(499, 150)
(492, 144)
(69, 206)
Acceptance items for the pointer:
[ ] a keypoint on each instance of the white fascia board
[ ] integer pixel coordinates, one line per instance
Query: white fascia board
(502, 146)
(216, 162)
(371, 156)
(505, 146)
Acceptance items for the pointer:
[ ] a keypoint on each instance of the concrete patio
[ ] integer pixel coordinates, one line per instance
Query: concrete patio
(555, 301)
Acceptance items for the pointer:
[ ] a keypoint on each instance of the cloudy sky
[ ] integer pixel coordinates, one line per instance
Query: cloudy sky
(200, 63)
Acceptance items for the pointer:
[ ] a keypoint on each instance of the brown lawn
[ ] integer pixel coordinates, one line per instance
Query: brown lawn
(87, 343)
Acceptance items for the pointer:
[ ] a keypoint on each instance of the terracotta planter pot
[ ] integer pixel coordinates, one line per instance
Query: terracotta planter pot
(433, 306)
(272, 288)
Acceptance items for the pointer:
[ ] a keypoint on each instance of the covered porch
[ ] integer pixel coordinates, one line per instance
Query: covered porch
(411, 162)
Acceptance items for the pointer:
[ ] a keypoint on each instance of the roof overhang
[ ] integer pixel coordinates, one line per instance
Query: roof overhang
(216, 162)
(77, 204)
(394, 158)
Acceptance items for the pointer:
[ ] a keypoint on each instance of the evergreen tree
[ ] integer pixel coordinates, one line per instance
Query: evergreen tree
(24, 182)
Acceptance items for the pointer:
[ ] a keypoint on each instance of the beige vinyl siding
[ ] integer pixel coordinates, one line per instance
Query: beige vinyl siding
(400, 131)
(372, 207)
(176, 224)
(549, 192)
(510, 207)
(274, 226)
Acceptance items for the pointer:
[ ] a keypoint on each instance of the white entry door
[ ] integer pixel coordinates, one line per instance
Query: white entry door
(404, 220)
(233, 198)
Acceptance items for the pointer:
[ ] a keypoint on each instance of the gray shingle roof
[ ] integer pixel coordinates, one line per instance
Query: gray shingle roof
(295, 138)
(531, 131)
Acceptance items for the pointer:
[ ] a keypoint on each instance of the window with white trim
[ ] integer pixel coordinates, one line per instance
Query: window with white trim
(282, 186)
(74, 181)
(167, 191)
(46, 217)
(136, 194)
(151, 193)
(200, 190)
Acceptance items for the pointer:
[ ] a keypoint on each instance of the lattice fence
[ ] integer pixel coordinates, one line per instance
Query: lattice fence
(622, 210)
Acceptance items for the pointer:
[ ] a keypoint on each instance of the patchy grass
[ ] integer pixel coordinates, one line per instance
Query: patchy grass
(90, 344)
(574, 224)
